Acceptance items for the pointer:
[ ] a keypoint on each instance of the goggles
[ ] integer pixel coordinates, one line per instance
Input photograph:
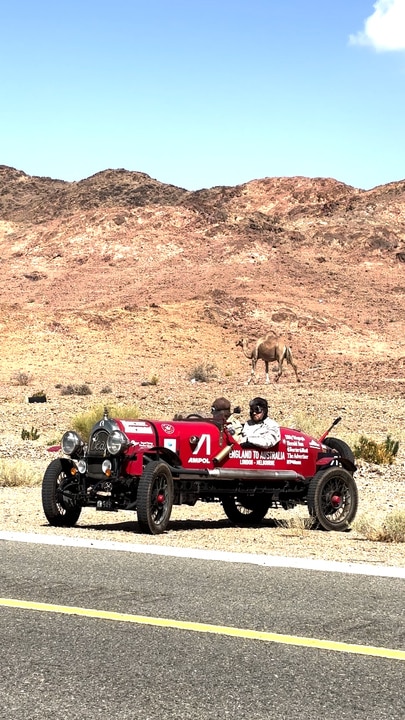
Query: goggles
(257, 409)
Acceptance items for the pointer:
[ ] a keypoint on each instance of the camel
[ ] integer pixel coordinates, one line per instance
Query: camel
(269, 348)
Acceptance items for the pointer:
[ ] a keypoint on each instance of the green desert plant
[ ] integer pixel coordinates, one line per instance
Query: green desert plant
(32, 434)
(383, 453)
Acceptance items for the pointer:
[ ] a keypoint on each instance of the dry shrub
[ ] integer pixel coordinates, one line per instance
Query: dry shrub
(84, 422)
(203, 373)
(75, 390)
(300, 523)
(21, 378)
(17, 473)
(391, 528)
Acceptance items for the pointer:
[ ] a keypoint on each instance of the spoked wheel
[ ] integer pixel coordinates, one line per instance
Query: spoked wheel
(60, 509)
(342, 448)
(244, 510)
(155, 498)
(333, 498)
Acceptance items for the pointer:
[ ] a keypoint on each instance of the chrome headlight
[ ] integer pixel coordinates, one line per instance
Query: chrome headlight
(71, 443)
(117, 441)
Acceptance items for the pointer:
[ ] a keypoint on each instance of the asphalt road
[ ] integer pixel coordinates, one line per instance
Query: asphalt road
(69, 666)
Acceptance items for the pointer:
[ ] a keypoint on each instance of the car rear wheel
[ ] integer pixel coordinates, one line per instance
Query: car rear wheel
(342, 448)
(155, 498)
(244, 510)
(333, 498)
(60, 509)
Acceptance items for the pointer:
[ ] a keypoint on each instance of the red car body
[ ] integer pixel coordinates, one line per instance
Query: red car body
(149, 465)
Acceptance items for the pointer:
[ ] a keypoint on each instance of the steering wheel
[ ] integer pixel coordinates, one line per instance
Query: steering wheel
(194, 416)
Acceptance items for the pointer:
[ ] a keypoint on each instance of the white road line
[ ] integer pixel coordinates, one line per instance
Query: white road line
(246, 558)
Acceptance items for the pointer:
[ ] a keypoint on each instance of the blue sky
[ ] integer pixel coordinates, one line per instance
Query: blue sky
(200, 93)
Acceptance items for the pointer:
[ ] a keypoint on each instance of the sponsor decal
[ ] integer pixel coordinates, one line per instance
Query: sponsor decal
(262, 457)
(170, 444)
(199, 460)
(240, 454)
(167, 428)
(205, 439)
(137, 427)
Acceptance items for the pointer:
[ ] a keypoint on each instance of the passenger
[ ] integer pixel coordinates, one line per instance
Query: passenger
(221, 410)
(260, 431)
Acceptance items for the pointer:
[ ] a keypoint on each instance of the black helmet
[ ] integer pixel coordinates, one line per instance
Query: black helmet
(260, 404)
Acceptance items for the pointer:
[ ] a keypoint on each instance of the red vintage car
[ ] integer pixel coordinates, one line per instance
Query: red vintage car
(149, 465)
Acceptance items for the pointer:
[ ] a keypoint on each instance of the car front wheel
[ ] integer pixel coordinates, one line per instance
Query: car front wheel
(333, 498)
(155, 498)
(60, 508)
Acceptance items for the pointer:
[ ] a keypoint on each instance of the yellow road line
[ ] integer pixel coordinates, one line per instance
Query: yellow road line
(207, 628)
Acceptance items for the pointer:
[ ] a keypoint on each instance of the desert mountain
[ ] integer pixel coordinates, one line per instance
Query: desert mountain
(122, 274)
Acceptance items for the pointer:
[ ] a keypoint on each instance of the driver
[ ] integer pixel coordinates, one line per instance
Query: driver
(260, 431)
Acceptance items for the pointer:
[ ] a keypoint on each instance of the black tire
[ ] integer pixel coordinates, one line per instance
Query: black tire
(60, 511)
(155, 498)
(245, 511)
(333, 498)
(342, 448)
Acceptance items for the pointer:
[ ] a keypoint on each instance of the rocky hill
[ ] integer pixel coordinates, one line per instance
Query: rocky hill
(120, 273)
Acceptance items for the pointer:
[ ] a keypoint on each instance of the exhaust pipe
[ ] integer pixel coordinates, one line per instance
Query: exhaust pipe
(258, 475)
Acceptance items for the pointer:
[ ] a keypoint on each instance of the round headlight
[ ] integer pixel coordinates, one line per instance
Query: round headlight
(71, 443)
(116, 442)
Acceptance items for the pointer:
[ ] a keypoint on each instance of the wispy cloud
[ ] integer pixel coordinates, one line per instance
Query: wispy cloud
(384, 30)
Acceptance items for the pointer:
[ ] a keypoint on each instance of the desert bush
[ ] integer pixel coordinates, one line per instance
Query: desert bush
(379, 453)
(391, 528)
(22, 378)
(17, 473)
(75, 390)
(203, 373)
(84, 422)
(106, 390)
(32, 434)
